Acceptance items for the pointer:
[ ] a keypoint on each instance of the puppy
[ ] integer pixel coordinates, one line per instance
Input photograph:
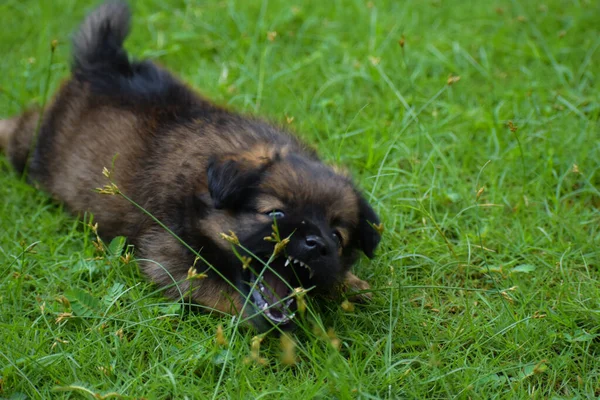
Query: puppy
(201, 171)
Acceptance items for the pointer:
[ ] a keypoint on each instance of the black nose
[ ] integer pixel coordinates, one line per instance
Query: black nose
(315, 245)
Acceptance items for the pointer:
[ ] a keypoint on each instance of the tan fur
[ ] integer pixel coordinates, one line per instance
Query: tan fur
(268, 203)
(353, 283)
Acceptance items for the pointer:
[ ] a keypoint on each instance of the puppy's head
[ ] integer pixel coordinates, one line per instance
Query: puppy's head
(326, 220)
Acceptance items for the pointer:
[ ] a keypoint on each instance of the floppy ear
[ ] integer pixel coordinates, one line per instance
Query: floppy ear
(231, 177)
(368, 237)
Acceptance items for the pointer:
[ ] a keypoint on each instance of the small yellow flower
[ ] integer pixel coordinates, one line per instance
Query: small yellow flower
(273, 238)
(347, 306)
(193, 274)
(106, 370)
(288, 347)
(255, 344)
(333, 339)
(480, 192)
(57, 341)
(63, 317)
(245, 262)
(110, 189)
(94, 227)
(254, 356)
(220, 337)
(126, 259)
(64, 301)
(231, 238)
(374, 60)
(299, 294)
(280, 246)
(98, 244)
(452, 80)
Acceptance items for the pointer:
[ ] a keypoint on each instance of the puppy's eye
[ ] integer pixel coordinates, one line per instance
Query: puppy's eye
(276, 214)
(337, 236)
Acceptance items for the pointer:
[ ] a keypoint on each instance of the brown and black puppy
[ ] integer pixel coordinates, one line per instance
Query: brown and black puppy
(199, 169)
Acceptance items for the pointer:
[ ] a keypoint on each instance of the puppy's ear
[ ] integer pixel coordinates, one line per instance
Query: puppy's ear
(368, 237)
(231, 177)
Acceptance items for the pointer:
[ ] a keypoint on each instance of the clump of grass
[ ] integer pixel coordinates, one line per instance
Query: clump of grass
(477, 293)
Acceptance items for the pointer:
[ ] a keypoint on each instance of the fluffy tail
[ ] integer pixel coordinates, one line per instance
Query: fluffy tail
(100, 60)
(98, 45)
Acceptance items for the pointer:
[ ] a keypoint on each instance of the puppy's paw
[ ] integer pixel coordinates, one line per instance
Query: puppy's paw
(353, 284)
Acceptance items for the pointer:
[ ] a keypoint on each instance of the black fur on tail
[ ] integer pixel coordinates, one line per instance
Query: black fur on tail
(100, 60)
(98, 45)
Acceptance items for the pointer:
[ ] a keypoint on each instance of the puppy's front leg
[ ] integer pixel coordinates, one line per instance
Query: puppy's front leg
(352, 284)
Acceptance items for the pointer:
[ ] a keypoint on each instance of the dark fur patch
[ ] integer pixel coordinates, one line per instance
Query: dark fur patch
(368, 237)
(232, 178)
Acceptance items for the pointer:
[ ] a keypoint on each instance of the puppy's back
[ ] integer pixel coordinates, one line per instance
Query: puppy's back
(161, 132)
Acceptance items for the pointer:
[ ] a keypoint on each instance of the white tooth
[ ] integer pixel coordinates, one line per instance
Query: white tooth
(312, 273)
(287, 262)
(296, 261)
(301, 263)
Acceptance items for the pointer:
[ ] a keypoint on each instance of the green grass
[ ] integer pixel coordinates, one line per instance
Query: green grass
(488, 277)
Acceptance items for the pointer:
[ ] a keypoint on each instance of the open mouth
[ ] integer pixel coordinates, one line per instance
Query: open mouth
(272, 293)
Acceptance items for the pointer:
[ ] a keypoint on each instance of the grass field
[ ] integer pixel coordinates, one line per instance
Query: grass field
(474, 129)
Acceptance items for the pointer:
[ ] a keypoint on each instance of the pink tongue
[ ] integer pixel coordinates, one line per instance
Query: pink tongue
(275, 288)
